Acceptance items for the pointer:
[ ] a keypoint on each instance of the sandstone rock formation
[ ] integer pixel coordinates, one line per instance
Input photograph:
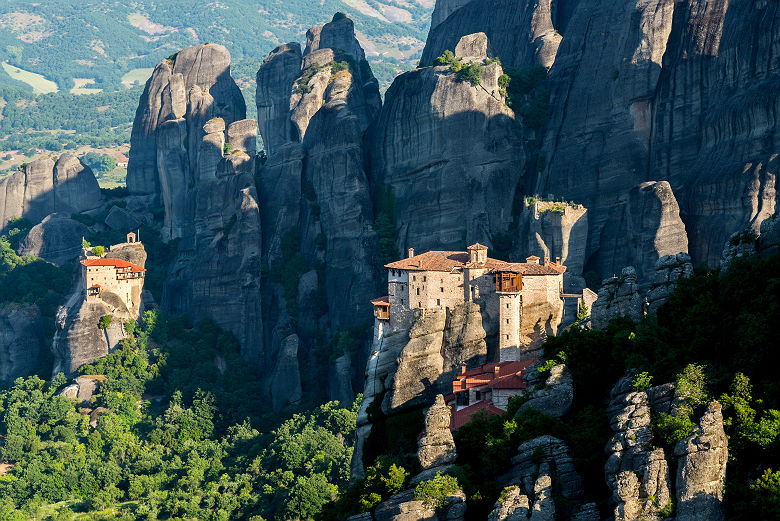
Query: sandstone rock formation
(403, 507)
(120, 219)
(651, 60)
(56, 239)
(552, 396)
(216, 272)
(284, 385)
(43, 187)
(437, 447)
(21, 341)
(456, 170)
(193, 152)
(314, 109)
(668, 271)
(644, 225)
(538, 45)
(618, 296)
(769, 240)
(541, 469)
(637, 474)
(410, 366)
(701, 469)
(195, 85)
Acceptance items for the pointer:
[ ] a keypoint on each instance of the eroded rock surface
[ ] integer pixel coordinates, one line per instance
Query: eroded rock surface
(701, 470)
(668, 271)
(552, 396)
(455, 171)
(285, 380)
(21, 340)
(437, 447)
(43, 187)
(542, 468)
(637, 473)
(56, 239)
(618, 296)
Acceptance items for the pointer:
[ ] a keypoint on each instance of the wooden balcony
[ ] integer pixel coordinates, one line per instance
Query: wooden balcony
(382, 312)
(509, 282)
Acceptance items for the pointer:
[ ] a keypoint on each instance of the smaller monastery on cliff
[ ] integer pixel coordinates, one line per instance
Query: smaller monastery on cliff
(115, 276)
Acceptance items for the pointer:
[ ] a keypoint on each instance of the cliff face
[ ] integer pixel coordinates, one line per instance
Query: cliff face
(521, 35)
(21, 341)
(193, 152)
(451, 153)
(317, 211)
(676, 103)
(44, 187)
(194, 84)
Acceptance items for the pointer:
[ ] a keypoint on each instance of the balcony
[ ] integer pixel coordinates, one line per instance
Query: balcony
(509, 282)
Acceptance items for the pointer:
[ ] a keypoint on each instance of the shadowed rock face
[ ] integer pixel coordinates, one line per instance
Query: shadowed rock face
(675, 102)
(56, 239)
(314, 109)
(451, 154)
(216, 272)
(44, 187)
(21, 341)
(521, 35)
(644, 226)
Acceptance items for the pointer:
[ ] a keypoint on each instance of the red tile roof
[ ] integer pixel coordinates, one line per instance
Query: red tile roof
(477, 246)
(381, 300)
(451, 260)
(510, 376)
(465, 415)
(117, 263)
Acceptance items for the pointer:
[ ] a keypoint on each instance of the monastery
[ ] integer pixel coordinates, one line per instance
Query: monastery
(103, 276)
(525, 297)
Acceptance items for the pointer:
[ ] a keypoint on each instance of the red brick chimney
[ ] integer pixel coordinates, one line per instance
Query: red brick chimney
(411, 252)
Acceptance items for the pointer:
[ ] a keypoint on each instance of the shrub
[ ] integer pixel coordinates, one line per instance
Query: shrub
(641, 381)
(105, 321)
(673, 429)
(692, 386)
(472, 73)
(98, 250)
(435, 491)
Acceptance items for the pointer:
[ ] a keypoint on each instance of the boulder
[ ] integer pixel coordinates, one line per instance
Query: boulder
(554, 397)
(56, 239)
(618, 296)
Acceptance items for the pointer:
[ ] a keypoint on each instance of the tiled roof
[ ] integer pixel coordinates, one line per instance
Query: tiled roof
(117, 263)
(477, 246)
(465, 415)
(531, 268)
(510, 376)
(381, 300)
(438, 261)
(451, 260)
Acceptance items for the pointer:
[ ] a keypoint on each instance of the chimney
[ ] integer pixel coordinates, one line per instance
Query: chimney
(496, 371)
(411, 252)
(462, 368)
(557, 260)
(546, 260)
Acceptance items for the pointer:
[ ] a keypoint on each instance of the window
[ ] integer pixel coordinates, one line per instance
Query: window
(418, 291)
(438, 302)
(507, 337)
(442, 289)
(414, 278)
(424, 278)
(507, 305)
(419, 304)
(507, 321)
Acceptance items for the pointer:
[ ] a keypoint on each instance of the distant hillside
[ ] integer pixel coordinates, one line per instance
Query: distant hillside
(104, 48)
(100, 44)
